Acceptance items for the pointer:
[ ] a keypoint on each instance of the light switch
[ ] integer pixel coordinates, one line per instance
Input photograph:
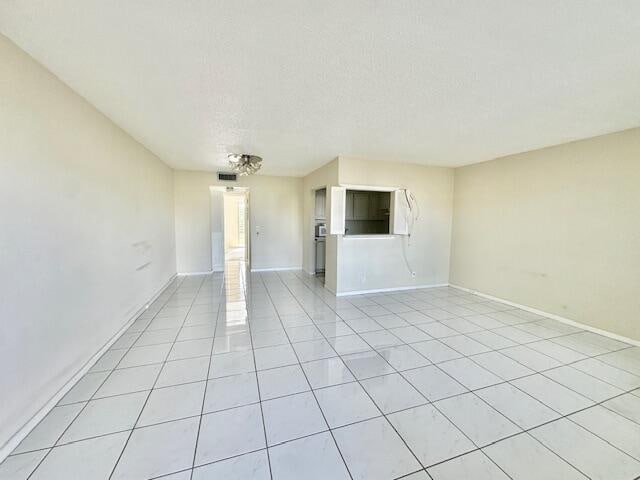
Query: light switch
(257, 230)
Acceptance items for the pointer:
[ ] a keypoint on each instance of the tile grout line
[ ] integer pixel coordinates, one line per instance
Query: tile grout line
(400, 373)
(430, 466)
(310, 386)
(500, 413)
(100, 386)
(470, 357)
(206, 381)
(429, 402)
(115, 466)
(255, 365)
(351, 423)
(376, 405)
(541, 372)
(376, 350)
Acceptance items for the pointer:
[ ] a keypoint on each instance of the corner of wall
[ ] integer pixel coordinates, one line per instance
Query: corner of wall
(453, 224)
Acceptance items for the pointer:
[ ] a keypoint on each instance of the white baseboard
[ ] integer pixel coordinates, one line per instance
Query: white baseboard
(17, 437)
(394, 289)
(186, 274)
(275, 269)
(552, 316)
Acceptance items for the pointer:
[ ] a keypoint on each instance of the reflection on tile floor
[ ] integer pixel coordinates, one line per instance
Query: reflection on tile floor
(267, 375)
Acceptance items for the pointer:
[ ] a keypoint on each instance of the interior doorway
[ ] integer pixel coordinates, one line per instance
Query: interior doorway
(230, 238)
(235, 248)
(320, 232)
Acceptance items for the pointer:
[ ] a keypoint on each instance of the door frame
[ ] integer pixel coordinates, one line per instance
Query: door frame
(219, 222)
(247, 229)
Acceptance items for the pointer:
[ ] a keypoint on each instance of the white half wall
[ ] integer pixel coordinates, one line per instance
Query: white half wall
(86, 233)
(386, 262)
(275, 208)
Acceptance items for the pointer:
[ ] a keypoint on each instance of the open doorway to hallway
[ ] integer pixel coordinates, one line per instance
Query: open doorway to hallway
(235, 220)
(230, 239)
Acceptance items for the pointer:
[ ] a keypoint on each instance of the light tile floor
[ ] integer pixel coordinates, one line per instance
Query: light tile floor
(269, 376)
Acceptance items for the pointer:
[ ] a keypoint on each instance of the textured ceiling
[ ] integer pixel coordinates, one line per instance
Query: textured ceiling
(302, 81)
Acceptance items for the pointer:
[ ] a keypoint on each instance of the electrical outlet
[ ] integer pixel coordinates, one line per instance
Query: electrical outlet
(413, 274)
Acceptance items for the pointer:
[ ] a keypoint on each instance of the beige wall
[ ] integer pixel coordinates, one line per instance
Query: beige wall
(86, 239)
(556, 229)
(275, 206)
(379, 263)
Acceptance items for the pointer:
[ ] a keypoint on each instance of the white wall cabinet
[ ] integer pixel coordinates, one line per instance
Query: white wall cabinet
(349, 206)
(374, 209)
(367, 205)
(365, 210)
(361, 206)
(384, 206)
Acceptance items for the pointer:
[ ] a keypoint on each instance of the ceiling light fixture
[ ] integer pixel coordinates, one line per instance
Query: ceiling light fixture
(244, 164)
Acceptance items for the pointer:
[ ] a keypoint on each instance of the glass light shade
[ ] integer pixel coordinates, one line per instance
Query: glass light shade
(244, 164)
